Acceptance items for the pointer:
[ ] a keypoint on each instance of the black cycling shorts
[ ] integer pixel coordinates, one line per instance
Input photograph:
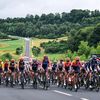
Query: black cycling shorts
(76, 69)
(60, 68)
(34, 69)
(5, 69)
(67, 69)
(21, 69)
(12, 69)
(53, 68)
(45, 66)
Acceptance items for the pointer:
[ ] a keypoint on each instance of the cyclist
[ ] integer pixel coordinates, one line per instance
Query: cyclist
(21, 65)
(54, 71)
(21, 69)
(93, 62)
(60, 66)
(34, 65)
(6, 65)
(76, 65)
(54, 66)
(67, 65)
(12, 65)
(12, 68)
(45, 63)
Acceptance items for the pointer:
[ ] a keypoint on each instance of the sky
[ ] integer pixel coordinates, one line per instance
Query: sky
(20, 8)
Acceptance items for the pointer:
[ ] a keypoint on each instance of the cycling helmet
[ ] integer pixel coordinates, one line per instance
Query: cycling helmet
(21, 59)
(12, 60)
(77, 58)
(34, 60)
(94, 56)
(67, 59)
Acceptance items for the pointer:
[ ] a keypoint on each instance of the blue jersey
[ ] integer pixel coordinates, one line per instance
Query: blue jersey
(45, 64)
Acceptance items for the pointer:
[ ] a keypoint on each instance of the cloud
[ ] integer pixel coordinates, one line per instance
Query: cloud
(20, 8)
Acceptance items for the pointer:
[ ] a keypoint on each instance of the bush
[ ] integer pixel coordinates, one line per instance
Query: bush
(19, 50)
(54, 47)
(36, 50)
(6, 56)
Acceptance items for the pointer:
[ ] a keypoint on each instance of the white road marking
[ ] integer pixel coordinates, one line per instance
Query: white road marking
(62, 93)
(84, 99)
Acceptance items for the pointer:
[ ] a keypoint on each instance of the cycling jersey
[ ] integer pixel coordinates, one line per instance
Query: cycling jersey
(60, 66)
(21, 65)
(45, 64)
(76, 66)
(12, 66)
(54, 67)
(93, 63)
(6, 66)
(67, 66)
(34, 67)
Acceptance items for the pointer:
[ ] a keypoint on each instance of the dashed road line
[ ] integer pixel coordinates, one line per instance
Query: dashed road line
(67, 94)
(84, 99)
(62, 93)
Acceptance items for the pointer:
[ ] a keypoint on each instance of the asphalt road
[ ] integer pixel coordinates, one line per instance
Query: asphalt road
(54, 93)
(27, 47)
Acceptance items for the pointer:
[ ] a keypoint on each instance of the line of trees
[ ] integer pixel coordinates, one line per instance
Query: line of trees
(50, 25)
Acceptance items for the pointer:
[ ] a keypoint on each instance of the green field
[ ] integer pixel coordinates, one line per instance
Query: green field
(37, 42)
(9, 46)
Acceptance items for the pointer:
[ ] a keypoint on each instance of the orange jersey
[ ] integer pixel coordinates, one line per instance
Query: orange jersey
(67, 64)
(75, 64)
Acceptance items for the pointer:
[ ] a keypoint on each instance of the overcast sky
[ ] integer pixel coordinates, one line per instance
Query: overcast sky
(20, 8)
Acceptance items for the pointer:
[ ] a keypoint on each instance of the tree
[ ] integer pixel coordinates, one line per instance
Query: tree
(50, 18)
(57, 18)
(95, 37)
(98, 49)
(43, 17)
(84, 49)
(95, 13)
(37, 17)
(93, 50)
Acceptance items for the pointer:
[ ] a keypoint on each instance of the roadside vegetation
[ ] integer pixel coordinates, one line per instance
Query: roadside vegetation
(10, 46)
